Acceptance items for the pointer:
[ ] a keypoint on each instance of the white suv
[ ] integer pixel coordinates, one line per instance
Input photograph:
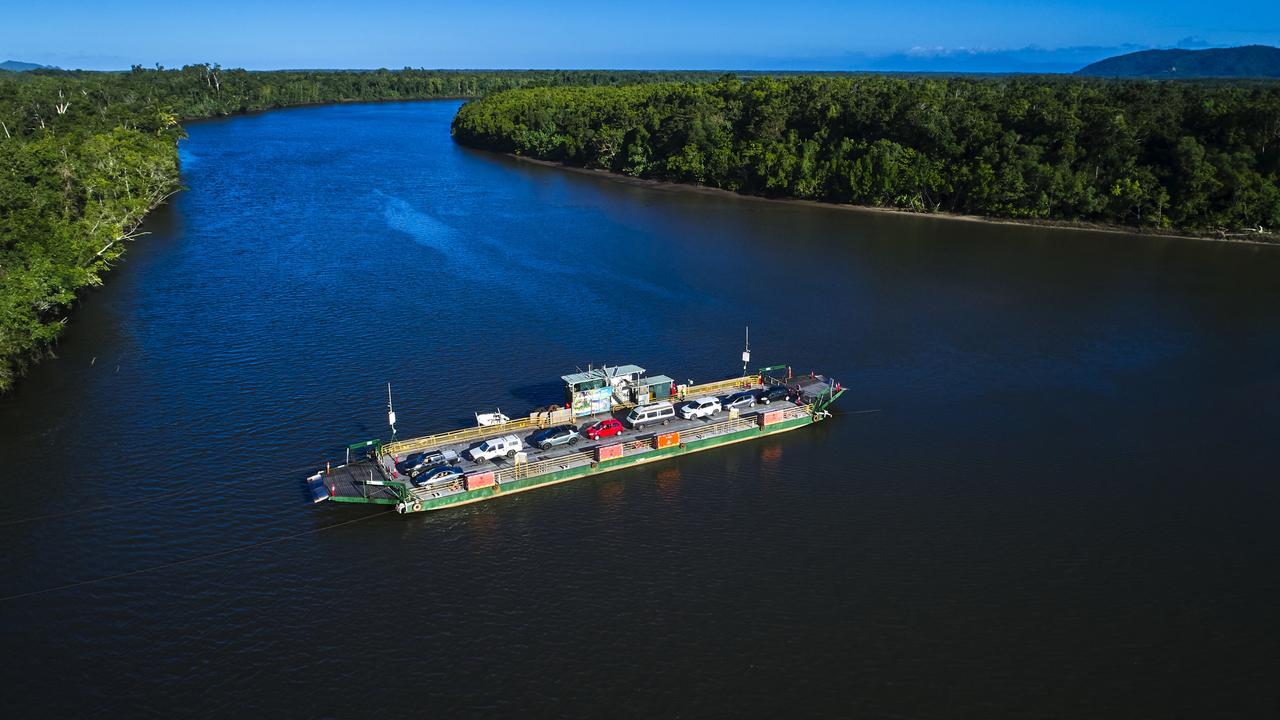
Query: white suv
(699, 408)
(507, 445)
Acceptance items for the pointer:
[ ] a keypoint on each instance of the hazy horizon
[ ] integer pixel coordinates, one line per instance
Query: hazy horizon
(932, 36)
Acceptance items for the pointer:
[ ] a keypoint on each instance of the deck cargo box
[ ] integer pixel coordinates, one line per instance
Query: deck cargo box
(659, 387)
(479, 480)
(666, 440)
(608, 452)
(771, 417)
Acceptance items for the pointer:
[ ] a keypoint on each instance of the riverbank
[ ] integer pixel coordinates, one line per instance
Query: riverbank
(1053, 413)
(85, 156)
(1268, 238)
(1100, 155)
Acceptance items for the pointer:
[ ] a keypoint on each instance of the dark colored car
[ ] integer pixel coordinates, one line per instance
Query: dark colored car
(744, 399)
(604, 429)
(417, 463)
(410, 462)
(553, 436)
(771, 393)
(438, 475)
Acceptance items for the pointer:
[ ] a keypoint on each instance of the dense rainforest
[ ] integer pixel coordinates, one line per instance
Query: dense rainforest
(1194, 156)
(85, 155)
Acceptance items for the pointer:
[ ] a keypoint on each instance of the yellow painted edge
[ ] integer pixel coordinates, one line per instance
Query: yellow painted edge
(609, 470)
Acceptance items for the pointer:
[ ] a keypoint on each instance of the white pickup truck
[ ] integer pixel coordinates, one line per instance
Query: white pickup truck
(507, 445)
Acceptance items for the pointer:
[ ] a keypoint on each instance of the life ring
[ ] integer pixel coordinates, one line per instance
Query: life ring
(417, 506)
(681, 446)
(594, 464)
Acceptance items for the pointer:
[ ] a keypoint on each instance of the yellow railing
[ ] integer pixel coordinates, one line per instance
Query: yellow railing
(435, 491)
(541, 467)
(582, 457)
(403, 447)
(456, 436)
(720, 386)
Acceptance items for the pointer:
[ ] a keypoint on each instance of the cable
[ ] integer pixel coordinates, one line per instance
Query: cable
(176, 563)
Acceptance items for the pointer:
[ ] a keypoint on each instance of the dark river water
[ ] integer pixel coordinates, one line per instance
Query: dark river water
(1065, 505)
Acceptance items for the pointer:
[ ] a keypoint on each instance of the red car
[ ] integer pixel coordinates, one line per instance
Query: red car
(603, 429)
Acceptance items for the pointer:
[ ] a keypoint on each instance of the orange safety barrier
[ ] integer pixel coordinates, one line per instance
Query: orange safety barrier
(479, 480)
(771, 417)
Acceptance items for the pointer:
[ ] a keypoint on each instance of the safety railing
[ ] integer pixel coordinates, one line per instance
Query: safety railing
(402, 447)
(434, 491)
(630, 448)
(541, 467)
(724, 427)
(719, 386)
(633, 448)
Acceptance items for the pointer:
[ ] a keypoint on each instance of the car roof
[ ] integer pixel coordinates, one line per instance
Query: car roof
(653, 406)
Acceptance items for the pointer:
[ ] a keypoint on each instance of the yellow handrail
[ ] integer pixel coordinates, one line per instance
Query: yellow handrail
(711, 388)
(475, 433)
(514, 472)
(454, 436)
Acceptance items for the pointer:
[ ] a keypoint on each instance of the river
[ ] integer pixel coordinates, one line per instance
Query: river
(1063, 505)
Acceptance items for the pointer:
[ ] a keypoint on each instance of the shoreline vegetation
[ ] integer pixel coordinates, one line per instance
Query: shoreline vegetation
(85, 156)
(1249, 238)
(1197, 159)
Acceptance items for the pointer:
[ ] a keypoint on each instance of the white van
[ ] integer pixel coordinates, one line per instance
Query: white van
(659, 412)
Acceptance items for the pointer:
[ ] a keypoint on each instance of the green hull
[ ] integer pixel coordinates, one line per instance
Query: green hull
(530, 483)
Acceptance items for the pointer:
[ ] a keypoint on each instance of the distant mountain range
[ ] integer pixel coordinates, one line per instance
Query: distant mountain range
(1260, 61)
(1246, 61)
(18, 66)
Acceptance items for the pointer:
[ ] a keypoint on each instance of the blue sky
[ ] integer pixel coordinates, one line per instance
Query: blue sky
(1050, 35)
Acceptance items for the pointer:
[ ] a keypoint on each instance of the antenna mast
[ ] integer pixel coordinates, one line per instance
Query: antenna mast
(391, 414)
(746, 352)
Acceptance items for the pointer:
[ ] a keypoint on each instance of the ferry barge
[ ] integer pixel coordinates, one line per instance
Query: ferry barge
(771, 401)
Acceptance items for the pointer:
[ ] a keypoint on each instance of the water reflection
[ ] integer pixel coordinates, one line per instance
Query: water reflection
(667, 482)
